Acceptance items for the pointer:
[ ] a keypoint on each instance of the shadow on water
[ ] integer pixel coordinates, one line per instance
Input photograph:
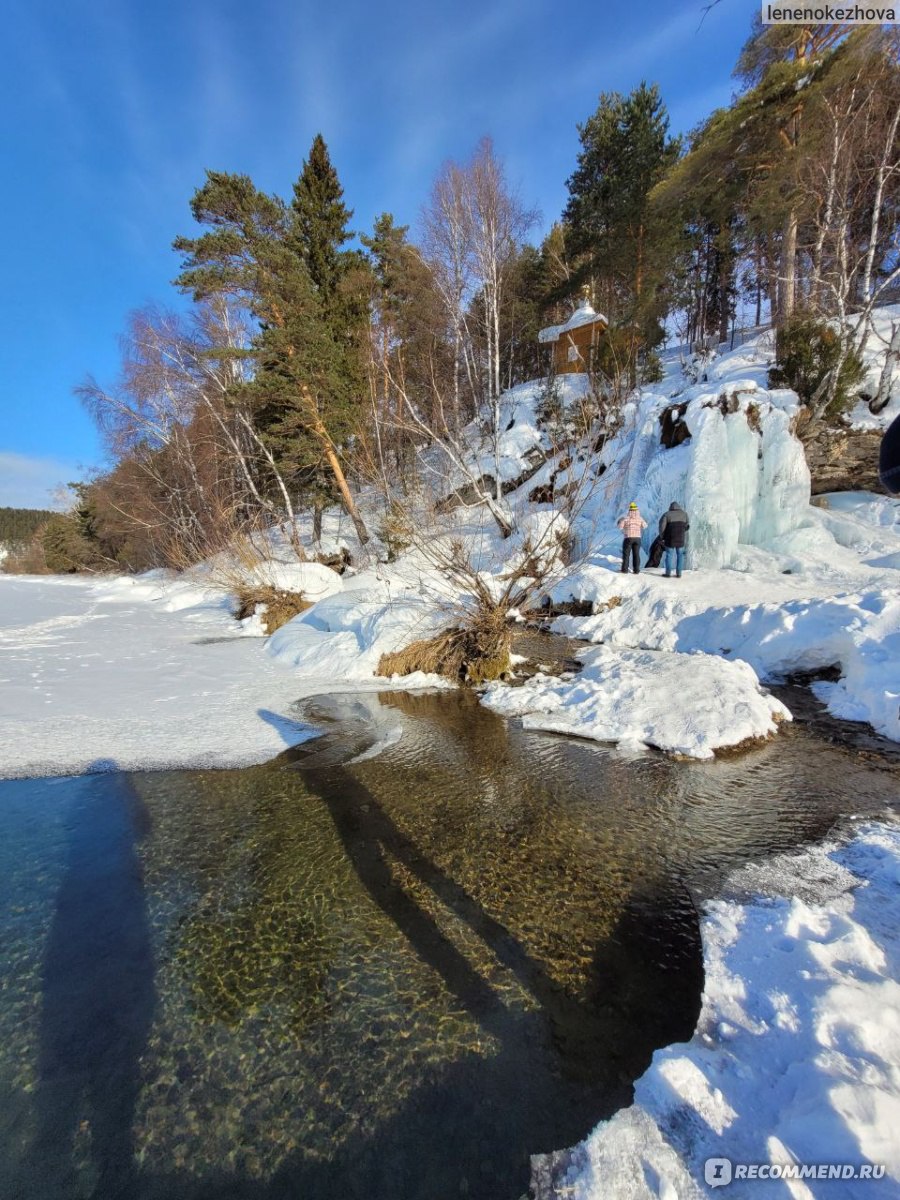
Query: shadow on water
(98, 995)
(560, 1067)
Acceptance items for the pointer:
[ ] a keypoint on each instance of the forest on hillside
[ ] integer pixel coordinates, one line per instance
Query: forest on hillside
(18, 525)
(313, 364)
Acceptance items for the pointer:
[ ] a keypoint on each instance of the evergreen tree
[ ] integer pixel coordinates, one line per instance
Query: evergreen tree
(299, 390)
(18, 525)
(613, 230)
(738, 190)
(319, 223)
(319, 228)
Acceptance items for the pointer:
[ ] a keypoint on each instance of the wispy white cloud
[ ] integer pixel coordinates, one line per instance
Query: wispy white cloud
(33, 482)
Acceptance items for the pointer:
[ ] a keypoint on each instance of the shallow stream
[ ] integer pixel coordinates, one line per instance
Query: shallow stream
(367, 975)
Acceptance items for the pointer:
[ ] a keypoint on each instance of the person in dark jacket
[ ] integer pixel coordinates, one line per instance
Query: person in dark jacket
(673, 527)
(889, 459)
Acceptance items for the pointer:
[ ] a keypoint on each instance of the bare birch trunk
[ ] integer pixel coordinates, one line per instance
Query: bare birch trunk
(788, 273)
(891, 360)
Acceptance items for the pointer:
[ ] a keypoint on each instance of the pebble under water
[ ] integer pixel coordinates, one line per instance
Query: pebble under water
(366, 975)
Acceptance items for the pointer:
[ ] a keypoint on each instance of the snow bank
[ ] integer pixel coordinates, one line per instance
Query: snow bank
(796, 1058)
(132, 674)
(344, 636)
(865, 523)
(688, 704)
(777, 636)
(314, 580)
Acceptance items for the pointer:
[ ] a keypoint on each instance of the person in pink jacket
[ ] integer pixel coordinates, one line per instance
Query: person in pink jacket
(632, 524)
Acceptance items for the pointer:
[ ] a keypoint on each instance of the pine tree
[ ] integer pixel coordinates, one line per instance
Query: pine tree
(17, 525)
(613, 231)
(298, 391)
(741, 176)
(319, 221)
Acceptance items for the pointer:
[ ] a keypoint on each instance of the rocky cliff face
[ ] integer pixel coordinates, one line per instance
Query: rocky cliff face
(844, 460)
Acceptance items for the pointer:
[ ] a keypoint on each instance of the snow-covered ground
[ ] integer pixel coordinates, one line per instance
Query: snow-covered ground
(134, 673)
(777, 624)
(773, 586)
(796, 1056)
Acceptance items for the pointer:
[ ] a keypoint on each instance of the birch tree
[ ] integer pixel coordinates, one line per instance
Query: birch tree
(474, 225)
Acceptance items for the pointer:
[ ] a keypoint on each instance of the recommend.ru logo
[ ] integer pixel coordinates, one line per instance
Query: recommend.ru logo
(717, 1171)
(720, 1171)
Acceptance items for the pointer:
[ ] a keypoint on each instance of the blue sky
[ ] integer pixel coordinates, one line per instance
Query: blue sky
(111, 111)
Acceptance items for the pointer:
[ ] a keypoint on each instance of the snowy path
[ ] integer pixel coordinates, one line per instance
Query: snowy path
(118, 673)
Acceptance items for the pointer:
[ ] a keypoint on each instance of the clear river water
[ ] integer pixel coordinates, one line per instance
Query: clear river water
(393, 975)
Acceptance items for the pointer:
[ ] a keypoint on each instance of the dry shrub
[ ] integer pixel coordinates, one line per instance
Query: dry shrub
(280, 606)
(474, 653)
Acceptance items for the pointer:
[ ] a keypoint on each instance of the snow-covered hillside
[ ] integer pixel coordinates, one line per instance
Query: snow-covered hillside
(774, 585)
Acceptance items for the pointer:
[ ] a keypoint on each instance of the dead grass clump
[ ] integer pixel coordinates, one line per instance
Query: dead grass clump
(606, 605)
(473, 653)
(279, 606)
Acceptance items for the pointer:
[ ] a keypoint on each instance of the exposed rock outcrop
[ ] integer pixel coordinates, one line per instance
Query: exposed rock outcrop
(843, 459)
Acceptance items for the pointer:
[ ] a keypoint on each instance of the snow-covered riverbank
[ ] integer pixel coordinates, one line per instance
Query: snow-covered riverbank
(125, 669)
(774, 585)
(796, 1056)
(133, 674)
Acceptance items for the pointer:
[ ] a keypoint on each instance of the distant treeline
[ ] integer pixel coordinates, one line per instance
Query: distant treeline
(18, 525)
